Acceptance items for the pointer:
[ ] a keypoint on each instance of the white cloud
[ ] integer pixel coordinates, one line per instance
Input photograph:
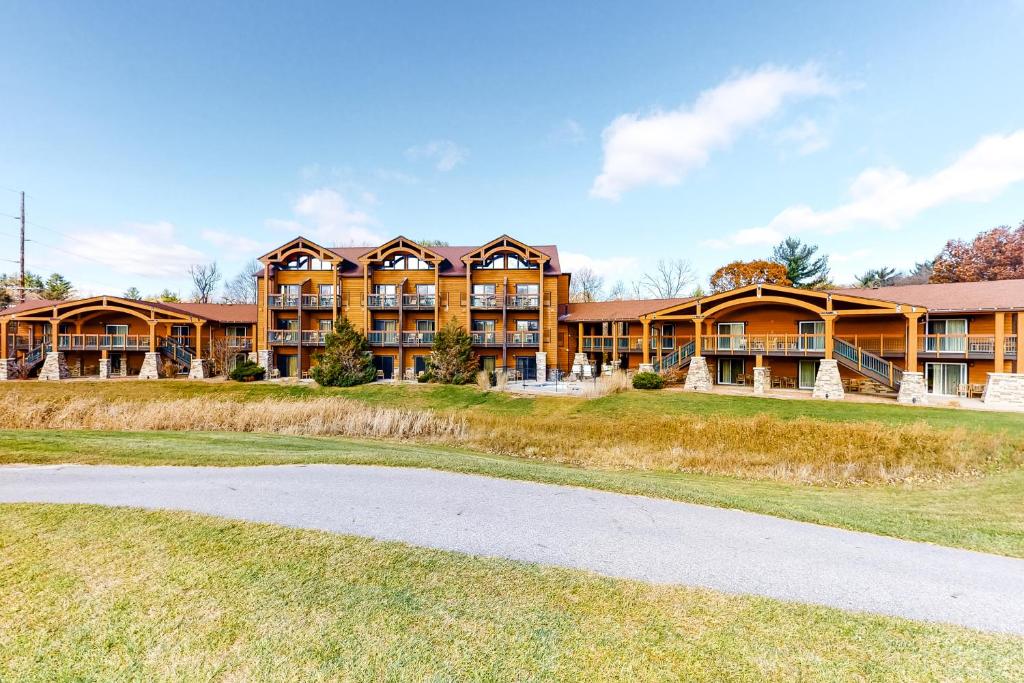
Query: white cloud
(569, 131)
(146, 249)
(229, 241)
(392, 176)
(806, 134)
(326, 216)
(661, 148)
(445, 154)
(888, 197)
(612, 268)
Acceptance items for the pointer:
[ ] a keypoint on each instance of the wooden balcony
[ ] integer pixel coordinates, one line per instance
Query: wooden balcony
(103, 342)
(291, 337)
(237, 343)
(487, 302)
(632, 344)
(980, 346)
(511, 338)
(809, 345)
(419, 302)
(425, 338)
(382, 337)
(309, 301)
(382, 302)
(523, 302)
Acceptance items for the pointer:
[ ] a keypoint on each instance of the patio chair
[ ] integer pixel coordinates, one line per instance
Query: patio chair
(976, 390)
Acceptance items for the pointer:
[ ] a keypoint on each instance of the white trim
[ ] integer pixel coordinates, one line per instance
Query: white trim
(718, 369)
(963, 375)
(798, 374)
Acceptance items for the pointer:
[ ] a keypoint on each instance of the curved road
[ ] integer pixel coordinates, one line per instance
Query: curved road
(613, 534)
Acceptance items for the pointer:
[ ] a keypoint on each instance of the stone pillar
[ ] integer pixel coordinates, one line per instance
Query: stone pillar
(828, 384)
(263, 360)
(699, 377)
(542, 366)
(762, 379)
(646, 367)
(150, 366)
(581, 365)
(1004, 388)
(199, 369)
(55, 367)
(104, 368)
(254, 357)
(6, 369)
(912, 389)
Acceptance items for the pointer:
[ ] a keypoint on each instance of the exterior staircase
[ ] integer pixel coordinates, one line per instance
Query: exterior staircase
(180, 354)
(875, 368)
(676, 360)
(35, 357)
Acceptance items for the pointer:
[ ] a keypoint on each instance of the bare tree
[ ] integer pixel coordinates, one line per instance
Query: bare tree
(669, 280)
(618, 291)
(637, 291)
(585, 285)
(204, 281)
(241, 289)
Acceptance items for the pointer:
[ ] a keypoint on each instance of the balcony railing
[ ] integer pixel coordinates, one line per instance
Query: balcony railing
(383, 337)
(523, 338)
(21, 341)
(522, 302)
(419, 301)
(967, 345)
(314, 337)
(778, 344)
(283, 336)
(632, 344)
(235, 343)
(98, 342)
(418, 338)
(486, 338)
(489, 301)
(309, 301)
(382, 300)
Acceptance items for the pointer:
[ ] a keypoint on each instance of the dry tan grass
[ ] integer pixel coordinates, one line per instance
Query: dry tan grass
(313, 417)
(605, 385)
(762, 446)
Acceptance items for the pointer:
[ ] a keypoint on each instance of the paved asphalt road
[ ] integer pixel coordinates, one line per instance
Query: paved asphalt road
(617, 535)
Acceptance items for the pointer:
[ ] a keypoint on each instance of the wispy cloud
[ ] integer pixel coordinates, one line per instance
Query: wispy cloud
(662, 147)
(613, 267)
(569, 132)
(806, 135)
(326, 216)
(144, 249)
(445, 154)
(888, 197)
(227, 240)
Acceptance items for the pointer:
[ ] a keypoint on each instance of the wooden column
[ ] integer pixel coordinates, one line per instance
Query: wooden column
(266, 310)
(54, 328)
(998, 356)
(540, 306)
(646, 340)
(437, 295)
(1020, 337)
(336, 293)
(698, 340)
(469, 297)
(830, 332)
(199, 339)
(912, 341)
(3, 339)
(615, 340)
(579, 340)
(366, 298)
(152, 336)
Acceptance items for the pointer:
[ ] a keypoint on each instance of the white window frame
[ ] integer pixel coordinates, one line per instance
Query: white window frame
(964, 376)
(727, 344)
(944, 345)
(719, 365)
(806, 344)
(799, 374)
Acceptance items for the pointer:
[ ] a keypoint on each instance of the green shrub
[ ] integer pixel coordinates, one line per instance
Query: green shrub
(424, 376)
(648, 380)
(346, 360)
(452, 360)
(247, 371)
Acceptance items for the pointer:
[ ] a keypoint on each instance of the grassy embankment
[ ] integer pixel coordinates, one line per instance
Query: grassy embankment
(967, 493)
(89, 593)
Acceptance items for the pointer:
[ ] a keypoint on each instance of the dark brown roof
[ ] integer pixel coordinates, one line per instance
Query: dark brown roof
(27, 306)
(453, 265)
(953, 296)
(626, 309)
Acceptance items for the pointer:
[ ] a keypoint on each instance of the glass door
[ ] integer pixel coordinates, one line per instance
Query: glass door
(117, 335)
(729, 370)
(945, 378)
(808, 372)
(730, 336)
(950, 335)
(812, 335)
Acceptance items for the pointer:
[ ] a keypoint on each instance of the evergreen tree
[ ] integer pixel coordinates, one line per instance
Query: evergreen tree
(345, 360)
(878, 277)
(132, 293)
(452, 360)
(57, 288)
(803, 269)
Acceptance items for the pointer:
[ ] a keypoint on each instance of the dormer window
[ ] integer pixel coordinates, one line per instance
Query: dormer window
(304, 262)
(504, 262)
(403, 262)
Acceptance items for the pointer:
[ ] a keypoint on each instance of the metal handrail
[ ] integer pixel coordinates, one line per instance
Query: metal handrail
(382, 337)
(419, 300)
(382, 300)
(523, 301)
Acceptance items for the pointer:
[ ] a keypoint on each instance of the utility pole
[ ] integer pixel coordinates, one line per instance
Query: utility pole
(22, 261)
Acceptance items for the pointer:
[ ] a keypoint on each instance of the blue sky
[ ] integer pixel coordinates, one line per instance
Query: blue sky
(153, 135)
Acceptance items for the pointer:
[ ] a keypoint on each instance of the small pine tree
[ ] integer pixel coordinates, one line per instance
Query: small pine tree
(452, 360)
(345, 360)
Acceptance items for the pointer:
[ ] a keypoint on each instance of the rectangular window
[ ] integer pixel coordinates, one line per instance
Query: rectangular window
(527, 325)
(484, 289)
(425, 290)
(287, 324)
(731, 336)
(385, 325)
(527, 290)
(424, 325)
(483, 325)
(325, 325)
(945, 378)
(668, 340)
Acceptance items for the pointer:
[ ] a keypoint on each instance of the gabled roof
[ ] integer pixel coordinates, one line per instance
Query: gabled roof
(218, 313)
(953, 296)
(398, 245)
(452, 265)
(298, 245)
(222, 313)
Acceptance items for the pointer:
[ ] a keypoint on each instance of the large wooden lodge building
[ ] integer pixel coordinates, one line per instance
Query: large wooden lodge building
(513, 298)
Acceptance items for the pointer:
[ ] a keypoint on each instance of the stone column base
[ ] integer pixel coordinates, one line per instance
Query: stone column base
(104, 368)
(828, 385)
(7, 369)
(150, 366)
(55, 367)
(542, 366)
(646, 367)
(912, 389)
(762, 380)
(263, 360)
(1004, 388)
(581, 366)
(253, 356)
(698, 378)
(199, 369)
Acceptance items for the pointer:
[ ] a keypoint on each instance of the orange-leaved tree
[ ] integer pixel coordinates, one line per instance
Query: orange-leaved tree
(740, 273)
(996, 254)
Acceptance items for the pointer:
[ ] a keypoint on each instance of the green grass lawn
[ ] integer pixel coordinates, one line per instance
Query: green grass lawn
(985, 513)
(89, 593)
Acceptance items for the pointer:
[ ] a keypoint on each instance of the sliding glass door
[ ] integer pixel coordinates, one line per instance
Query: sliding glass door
(945, 378)
(950, 335)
